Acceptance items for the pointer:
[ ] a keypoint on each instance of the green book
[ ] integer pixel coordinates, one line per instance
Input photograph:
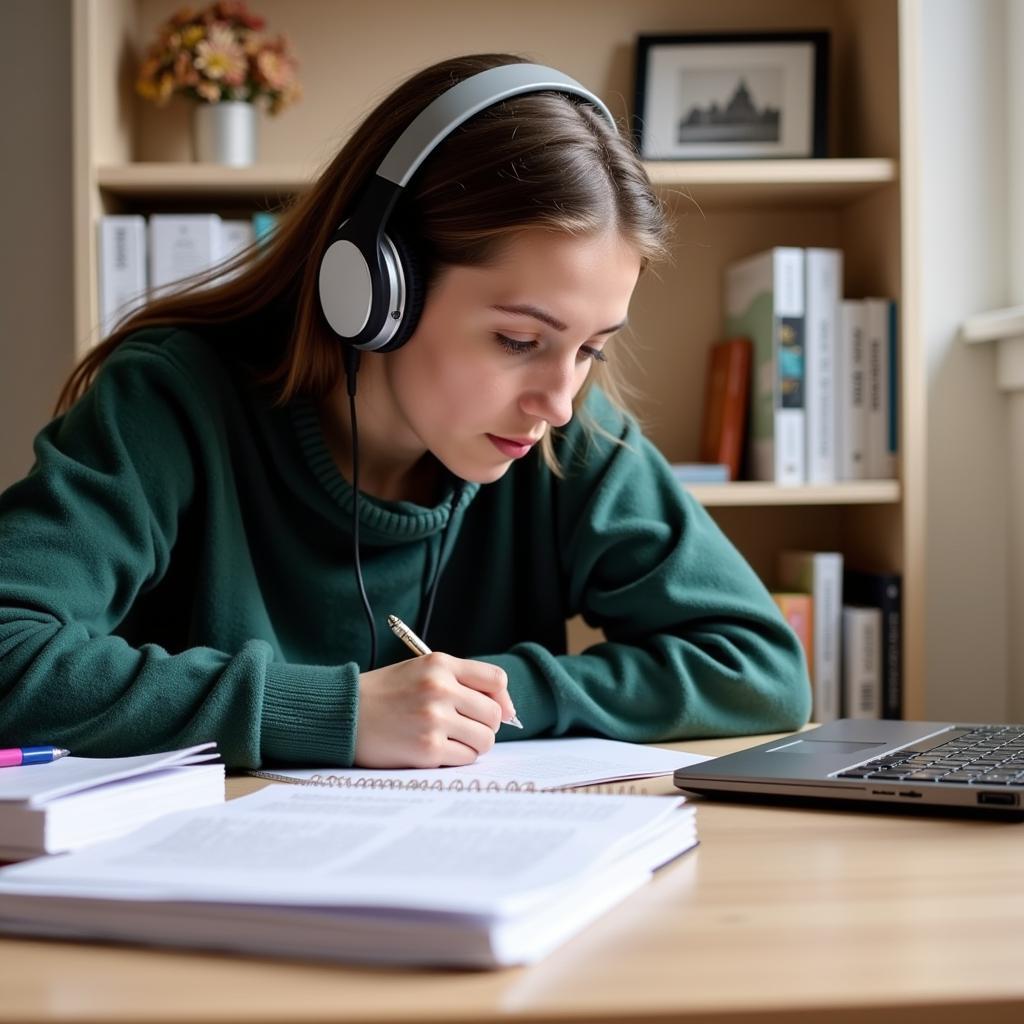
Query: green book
(764, 301)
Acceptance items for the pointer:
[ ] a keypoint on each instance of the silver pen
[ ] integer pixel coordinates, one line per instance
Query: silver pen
(418, 647)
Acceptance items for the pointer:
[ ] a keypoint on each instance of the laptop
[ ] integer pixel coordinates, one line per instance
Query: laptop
(977, 769)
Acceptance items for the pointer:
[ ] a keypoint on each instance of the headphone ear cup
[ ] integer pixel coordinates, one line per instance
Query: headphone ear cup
(413, 274)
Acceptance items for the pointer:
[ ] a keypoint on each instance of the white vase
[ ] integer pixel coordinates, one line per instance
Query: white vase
(224, 133)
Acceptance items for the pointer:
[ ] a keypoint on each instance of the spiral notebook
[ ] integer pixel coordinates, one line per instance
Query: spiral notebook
(527, 765)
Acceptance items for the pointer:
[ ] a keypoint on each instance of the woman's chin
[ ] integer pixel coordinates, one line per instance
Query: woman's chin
(475, 472)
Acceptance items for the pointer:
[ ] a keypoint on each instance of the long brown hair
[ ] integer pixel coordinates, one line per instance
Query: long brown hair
(537, 160)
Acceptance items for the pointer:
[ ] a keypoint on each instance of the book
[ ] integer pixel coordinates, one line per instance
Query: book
(527, 764)
(882, 590)
(862, 662)
(76, 801)
(798, 611)
(893, 421)
(701, 472)
(852, 419)
(764, 301)
(264, 224)
(820, 574)
(235, 237)
(376, 876)
(879, 455)
(824, 282)
(121, 257)
(726, 400)
(181, 245)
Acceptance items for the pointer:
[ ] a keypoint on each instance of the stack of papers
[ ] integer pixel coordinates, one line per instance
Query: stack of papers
(380, 876)
(67, 804)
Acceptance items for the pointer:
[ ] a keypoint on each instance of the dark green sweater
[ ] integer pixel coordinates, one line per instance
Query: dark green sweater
(177, 567)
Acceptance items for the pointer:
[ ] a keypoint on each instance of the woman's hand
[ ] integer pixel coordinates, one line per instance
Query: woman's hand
(429, 711)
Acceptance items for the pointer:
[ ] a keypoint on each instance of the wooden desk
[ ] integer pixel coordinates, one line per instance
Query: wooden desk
(780, 915)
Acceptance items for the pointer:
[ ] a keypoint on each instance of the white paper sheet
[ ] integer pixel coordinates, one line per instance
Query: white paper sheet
(541, 764)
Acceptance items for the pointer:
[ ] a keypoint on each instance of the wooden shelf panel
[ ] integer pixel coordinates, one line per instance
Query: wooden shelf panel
(711, 183)
(204, 180)
(860, 492)
(776, 182)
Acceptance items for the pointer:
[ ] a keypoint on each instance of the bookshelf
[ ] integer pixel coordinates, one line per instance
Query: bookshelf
(131, 157)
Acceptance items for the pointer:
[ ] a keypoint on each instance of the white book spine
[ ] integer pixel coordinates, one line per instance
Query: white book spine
(790, 463)
(181, 245)
(123, 279)
(862, 662)
(824, 276)
(236, 236)
(876, 390)
(820, 574)
(852, 412)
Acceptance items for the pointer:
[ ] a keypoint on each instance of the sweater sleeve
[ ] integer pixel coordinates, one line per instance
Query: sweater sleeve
(90, 528)
(695, 645)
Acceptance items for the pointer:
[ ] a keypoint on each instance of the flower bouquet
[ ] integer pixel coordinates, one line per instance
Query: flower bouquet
(219, 54)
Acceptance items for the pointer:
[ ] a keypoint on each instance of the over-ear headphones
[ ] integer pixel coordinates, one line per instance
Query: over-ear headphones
(371, 290)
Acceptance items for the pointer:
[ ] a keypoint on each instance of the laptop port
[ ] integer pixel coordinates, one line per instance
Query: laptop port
(999, 799)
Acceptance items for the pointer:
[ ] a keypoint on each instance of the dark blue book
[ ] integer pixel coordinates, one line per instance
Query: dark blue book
(883, 590)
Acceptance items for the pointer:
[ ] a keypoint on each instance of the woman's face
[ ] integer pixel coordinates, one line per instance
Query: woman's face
(501, 351)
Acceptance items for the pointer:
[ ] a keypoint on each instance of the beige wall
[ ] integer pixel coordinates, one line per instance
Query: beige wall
(964, 248)
(35, 259)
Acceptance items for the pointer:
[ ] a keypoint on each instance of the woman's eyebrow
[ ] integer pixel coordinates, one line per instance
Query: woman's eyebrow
(551, 321)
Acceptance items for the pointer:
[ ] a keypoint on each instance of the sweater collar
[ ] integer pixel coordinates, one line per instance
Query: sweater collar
(384, 521)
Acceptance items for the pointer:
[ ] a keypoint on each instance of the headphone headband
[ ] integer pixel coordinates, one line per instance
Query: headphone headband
(459, 103)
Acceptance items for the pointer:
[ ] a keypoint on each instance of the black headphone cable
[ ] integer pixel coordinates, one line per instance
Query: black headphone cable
(351, 370)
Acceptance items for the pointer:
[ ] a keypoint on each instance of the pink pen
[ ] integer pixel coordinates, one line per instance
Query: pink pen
(12, 757)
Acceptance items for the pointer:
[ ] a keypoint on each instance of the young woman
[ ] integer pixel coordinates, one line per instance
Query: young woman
(189, 560)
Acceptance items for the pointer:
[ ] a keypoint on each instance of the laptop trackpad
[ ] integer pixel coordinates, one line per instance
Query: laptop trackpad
(820, 747)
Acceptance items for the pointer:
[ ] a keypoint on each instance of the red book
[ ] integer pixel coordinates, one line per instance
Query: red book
(726, 400)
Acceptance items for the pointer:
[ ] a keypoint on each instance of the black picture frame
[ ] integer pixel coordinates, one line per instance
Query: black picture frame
(697, 96)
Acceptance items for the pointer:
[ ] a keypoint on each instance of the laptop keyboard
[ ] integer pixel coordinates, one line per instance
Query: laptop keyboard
(991, 754)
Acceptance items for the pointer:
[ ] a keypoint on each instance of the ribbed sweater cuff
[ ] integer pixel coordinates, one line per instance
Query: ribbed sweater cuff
(309, 714)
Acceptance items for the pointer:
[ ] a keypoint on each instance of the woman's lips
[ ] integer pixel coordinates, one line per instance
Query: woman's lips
(513, 449)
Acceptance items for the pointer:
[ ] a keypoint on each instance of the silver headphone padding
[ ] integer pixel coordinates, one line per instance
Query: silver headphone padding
(347, 308)
(346, 292)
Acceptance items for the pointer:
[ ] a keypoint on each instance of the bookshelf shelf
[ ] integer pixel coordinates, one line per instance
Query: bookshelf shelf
(146, 180)
(716, 183)
(770, 182)
(742, 493)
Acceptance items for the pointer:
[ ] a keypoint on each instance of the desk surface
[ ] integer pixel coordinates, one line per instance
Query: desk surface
(779, 915)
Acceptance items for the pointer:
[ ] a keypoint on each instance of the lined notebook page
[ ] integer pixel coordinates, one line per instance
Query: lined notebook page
(543, 764)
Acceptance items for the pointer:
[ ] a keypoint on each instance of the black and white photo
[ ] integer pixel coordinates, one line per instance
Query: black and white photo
(715, 97)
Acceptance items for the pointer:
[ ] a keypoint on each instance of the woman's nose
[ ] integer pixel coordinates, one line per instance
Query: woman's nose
(552, 399)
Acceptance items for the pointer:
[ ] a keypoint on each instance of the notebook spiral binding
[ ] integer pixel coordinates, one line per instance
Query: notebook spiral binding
(437, 786)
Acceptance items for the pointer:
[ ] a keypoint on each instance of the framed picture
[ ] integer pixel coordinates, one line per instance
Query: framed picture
(732, 96)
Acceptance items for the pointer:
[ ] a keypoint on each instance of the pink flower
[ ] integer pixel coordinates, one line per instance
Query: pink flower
(209, 91)
(219, 57)
(235, 10)
(184, 72)
(274, 69)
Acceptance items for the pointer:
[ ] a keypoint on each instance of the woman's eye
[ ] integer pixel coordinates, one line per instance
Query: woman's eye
(512, 346)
